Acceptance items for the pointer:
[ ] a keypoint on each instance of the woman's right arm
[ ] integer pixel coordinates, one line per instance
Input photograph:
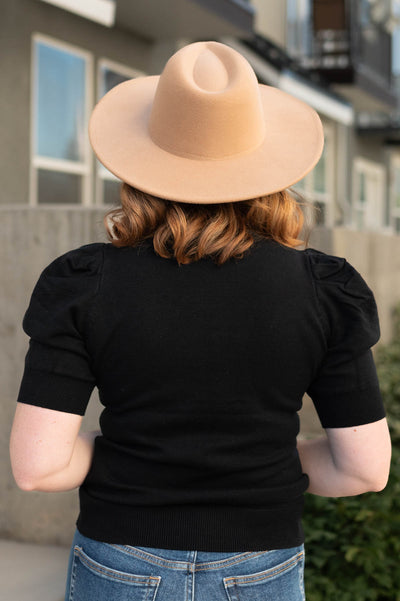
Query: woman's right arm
(347, 461)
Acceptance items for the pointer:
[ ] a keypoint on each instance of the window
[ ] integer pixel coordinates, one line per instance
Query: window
(365, 13)
(61, 156)
(110, 74)
(395, 194)
(299, 28)
(318, 186)
(62, 100)
(368, 207)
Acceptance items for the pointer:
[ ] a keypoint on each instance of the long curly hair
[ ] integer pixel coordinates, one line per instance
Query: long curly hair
(189, 231)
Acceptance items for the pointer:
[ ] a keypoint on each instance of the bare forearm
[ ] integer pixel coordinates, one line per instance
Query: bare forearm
(76, 471)
(326, 478)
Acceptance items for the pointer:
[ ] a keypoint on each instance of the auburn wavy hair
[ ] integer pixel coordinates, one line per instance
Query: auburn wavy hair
(189, 232)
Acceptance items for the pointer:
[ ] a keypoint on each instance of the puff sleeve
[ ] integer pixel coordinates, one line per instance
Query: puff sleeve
(345, 391)
(57, 372)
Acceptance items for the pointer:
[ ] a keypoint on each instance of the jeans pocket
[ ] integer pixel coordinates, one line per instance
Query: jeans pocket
(92, 581)
(283, 582)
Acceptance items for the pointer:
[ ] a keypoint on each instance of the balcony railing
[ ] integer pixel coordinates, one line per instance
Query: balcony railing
(350, 48)
(382, 124)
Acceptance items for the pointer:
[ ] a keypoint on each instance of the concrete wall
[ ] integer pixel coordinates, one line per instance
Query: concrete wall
(376, 256)
(30, 240)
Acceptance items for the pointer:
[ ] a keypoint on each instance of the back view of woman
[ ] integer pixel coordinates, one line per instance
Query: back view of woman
(202, 325)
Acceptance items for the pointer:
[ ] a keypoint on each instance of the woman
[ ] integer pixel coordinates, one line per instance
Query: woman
(202, 326)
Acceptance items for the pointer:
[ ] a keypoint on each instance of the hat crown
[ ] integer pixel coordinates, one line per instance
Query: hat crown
(209, 72)
(207, 104)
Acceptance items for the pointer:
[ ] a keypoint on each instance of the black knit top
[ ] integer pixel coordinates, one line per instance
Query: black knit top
(201, 370)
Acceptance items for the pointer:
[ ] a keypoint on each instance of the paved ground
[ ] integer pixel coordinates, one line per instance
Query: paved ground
(32, 572)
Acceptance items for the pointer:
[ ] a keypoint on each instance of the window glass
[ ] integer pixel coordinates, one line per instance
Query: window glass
(360, 220)
(320, 174)
(365, 16)
(397, 187)
(299, 27)
(369, 195)
(110, 79)
(60, 103)
(55, 187)
(111, 191)
(110, 185)
(362, 187)
(320, 213)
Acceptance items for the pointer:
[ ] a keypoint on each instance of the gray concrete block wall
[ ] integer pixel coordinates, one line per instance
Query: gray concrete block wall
(377, 258)
(29, 240)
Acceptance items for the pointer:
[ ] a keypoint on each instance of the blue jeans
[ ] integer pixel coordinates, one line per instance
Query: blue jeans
(107, 572)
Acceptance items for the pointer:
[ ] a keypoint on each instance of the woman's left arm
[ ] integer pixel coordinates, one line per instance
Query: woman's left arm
(47, 451)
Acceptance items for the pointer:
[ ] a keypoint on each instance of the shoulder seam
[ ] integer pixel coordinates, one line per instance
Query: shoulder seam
(314, 284)
(93, 304)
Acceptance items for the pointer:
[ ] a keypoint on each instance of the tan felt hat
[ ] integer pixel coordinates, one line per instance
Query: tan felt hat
(205, 131)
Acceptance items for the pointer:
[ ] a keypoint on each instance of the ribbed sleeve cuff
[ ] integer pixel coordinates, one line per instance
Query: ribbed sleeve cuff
(354, 408)
(54, 391)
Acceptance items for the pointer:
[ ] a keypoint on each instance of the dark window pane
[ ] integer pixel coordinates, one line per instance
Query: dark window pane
(60, 117)
(55, 187)
(299, 27)
(329, 15)
(320, 213)
(111, 79)
(320, 174)
(300, 185)
(362, 183)
(111, 190)
(397, 188)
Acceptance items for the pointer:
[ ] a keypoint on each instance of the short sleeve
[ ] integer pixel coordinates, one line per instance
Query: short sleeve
(57, 372)
(345, 391)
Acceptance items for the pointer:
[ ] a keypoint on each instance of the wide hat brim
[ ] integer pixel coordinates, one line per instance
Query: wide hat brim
(120, 138)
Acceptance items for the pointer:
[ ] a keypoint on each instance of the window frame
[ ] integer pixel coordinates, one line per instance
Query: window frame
(83, 168)
(102, 174)
(296, 27)
(308, 190)
(370, 210)
(394, 211)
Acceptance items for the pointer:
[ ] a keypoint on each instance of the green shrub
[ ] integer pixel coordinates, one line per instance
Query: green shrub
(353, 543)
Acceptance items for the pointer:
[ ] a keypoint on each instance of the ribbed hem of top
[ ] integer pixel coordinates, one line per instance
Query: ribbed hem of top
(214, 529)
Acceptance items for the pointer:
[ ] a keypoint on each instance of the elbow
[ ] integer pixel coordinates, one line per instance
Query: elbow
(375, 480)
(24, 482)
(379, 483)
(25, 485)
(380, 477)
(24, 478)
